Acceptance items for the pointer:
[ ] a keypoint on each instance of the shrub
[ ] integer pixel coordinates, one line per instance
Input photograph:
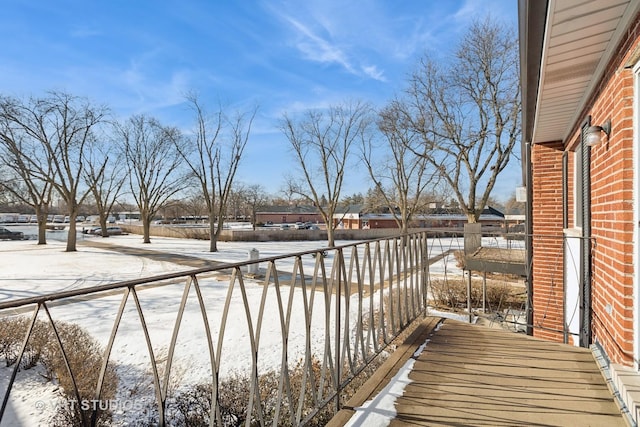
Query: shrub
(402, 314)
(12, 332)
(453, 294)
(459, 257)
(191, 407)
(85, 361)
(297, 376)
(194, 405)
(83, 354)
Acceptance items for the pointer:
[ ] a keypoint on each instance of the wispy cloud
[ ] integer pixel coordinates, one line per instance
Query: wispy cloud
(147, 93)
(369, 38)
(317, 48)
(373, 72)
(474, 9)
(85, 32)
(333, 33)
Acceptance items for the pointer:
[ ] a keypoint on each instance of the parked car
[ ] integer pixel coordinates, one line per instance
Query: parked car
(6, 234)
(91, 230)
(114, 231)
(284, 226)
(111, 231)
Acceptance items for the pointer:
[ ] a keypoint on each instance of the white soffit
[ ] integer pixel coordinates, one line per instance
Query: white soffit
(580, 38)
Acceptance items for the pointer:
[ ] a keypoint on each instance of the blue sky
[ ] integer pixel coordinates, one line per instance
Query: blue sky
(283, 56)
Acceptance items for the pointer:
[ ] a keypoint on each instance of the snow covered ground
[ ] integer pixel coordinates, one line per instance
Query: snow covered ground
(30, 270)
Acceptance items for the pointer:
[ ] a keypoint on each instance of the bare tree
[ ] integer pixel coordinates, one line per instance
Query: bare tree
(105, 174)
(322, 143)
(21, 158)
(58, 130)
(513, 206)
(153, 165)
(213, 156)
(401, 177)
(18, 184)
(195, 205)
(287, 196)
(467, 112)
(235, 202)
(175, 210)
(255, 196)
(6, 175)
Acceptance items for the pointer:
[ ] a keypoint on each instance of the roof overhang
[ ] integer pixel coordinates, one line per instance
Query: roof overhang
(565, 46)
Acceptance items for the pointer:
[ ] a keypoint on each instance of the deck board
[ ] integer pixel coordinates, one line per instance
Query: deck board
(474, 375)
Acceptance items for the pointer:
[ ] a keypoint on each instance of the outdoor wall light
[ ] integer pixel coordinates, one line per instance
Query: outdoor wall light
(593, 133)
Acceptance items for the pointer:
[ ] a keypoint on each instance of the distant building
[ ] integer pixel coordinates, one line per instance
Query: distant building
(288, 214)
(354, 218)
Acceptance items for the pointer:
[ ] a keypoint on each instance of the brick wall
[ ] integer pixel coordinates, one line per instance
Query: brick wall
(547, 241)
(612, 206)
(612, 180)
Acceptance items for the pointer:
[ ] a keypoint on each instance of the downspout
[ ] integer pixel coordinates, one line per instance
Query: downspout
(585, 300)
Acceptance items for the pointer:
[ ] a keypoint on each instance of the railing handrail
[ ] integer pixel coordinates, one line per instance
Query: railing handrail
(192, 272)
(156, 278)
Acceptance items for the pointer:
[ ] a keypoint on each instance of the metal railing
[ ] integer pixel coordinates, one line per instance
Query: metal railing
(333, 311)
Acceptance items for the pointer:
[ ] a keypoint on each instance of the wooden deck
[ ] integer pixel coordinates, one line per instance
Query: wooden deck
(475, 375)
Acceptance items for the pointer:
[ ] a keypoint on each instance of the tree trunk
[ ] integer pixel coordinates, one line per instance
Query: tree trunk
(42, 225)
(405, 228)
(146, 227)
(71, 235)
(330, 236)
(103, 225)
(213, 238)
